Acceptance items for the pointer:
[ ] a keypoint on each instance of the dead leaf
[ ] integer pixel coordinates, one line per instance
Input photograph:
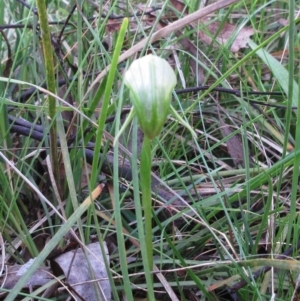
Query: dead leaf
(86, 272)
(234, 144)
(41, 276)
(113, 25)
(283, 22)
(225, 34)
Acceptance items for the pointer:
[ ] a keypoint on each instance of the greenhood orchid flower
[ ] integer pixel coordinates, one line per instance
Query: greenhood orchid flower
(151, 81)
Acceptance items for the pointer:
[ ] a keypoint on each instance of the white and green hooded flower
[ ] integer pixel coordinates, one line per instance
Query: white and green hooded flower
(151, 81)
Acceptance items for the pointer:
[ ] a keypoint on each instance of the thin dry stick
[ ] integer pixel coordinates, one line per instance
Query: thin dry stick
(163, 32)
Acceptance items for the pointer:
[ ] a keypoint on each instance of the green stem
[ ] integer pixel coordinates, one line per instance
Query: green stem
(51, 86)
(138, 209)
(146, 196)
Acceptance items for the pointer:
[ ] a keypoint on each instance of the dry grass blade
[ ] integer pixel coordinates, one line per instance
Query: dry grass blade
(165, 283)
